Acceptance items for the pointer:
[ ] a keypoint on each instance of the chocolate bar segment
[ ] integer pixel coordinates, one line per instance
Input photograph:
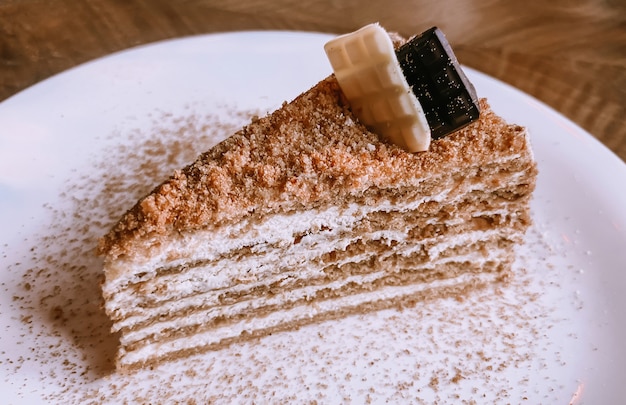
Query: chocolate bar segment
(447, 97)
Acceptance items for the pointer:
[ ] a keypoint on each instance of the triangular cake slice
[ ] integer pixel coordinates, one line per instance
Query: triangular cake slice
(305, 215)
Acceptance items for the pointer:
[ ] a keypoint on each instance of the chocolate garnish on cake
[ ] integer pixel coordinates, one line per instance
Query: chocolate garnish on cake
(410, 95)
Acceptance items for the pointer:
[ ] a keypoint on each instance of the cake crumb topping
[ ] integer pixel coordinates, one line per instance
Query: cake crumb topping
(310, 151)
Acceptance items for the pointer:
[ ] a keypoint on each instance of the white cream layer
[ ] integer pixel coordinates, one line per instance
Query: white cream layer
(277, 231)
(191, 290)
(214, 336)
(290, 296)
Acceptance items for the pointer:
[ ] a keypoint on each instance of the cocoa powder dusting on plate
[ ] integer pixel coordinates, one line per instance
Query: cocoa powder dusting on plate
(491, 345)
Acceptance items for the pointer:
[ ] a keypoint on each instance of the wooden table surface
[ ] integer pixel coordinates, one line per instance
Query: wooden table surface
(571, 54)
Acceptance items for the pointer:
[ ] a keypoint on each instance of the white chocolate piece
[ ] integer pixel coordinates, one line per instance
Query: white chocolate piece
(368, 71)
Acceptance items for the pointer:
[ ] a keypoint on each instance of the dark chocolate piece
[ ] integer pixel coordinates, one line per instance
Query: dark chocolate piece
(447, 97)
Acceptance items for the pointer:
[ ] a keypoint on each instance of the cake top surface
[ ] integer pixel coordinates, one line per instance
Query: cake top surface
(310, 152)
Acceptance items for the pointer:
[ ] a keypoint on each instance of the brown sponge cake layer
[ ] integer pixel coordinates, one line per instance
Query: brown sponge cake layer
(171, 304)
(396, 264)
(335, 254)
(164, 348)
(396, 272)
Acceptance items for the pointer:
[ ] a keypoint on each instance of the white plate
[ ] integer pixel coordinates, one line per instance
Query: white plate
(554, 335)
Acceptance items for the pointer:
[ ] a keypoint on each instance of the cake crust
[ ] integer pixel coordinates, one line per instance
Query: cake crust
(282, 162)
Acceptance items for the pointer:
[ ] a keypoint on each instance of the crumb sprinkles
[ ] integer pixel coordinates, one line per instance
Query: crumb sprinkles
(502, 348)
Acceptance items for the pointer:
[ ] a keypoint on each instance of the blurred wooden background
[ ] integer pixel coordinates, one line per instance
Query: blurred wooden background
(571, 54)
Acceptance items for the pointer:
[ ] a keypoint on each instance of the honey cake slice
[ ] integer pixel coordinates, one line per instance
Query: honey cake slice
(306, 215)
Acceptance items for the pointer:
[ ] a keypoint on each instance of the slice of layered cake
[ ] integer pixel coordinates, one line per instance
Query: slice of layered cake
(307, 215)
